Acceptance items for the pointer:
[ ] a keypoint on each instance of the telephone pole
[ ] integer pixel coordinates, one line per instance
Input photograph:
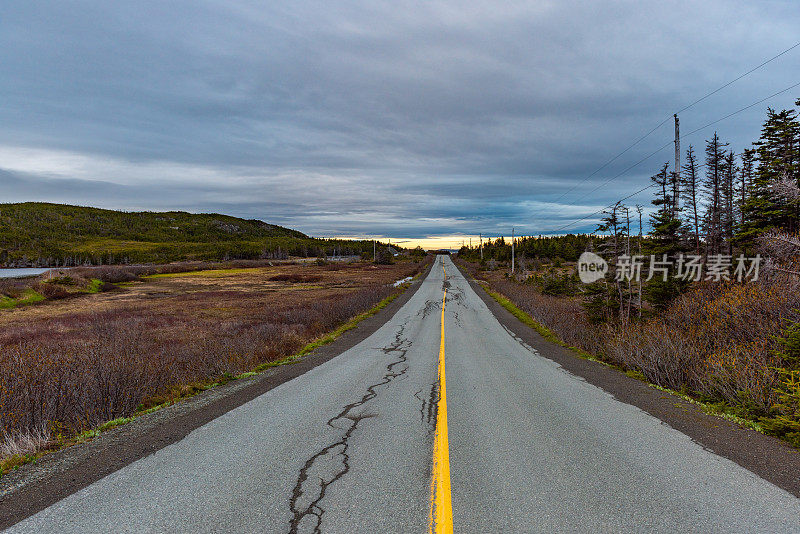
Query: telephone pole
(480, 236)
(512, 250)
(676, 187)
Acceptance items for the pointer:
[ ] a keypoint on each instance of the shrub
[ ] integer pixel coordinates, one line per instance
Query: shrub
(384, 257)
(14, 287)
(295, 277)
(717, 341)
(556, 284)
(565, 317)
(51, 291)
(786, 421)
(63, 280)
(789, 345)
(131, 358)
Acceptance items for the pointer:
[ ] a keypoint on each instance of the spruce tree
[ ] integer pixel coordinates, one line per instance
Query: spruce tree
(778, 158)
(745, 182)
(666, 242)
(604, 298)
(727, 197)
(715, 165)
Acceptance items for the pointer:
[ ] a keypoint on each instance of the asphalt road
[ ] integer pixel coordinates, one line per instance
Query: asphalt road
(349, 447)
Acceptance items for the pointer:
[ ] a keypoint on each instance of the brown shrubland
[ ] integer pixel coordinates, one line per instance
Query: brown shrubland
(719, 341)
(70, 365)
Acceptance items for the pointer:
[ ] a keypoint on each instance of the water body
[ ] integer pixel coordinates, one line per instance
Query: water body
(19, 273)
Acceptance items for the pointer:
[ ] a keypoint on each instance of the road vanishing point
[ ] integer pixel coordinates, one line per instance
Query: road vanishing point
(386, 438)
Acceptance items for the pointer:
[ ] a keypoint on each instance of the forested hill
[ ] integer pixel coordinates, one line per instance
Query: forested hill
(43, 234)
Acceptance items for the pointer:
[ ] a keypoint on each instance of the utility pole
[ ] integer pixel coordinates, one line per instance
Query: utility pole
(676, 187)
(374, 251)
(480, 236)
(512, 250)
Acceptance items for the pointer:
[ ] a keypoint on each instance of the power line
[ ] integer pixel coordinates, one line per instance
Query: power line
(602, 209)
(698, 167)
(665, 145)
(612, 160)
(720, 88)
(742, 109)
(642, 138)
(576, 221)
(717, 90)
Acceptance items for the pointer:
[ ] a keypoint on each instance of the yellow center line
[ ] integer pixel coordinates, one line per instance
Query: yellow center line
(441, 512)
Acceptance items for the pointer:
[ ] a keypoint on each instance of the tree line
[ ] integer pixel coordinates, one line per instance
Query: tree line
(566, 248)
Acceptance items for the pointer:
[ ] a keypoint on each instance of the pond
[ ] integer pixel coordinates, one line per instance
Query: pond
(19, 273)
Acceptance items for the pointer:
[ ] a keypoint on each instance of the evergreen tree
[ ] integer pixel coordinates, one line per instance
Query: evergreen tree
(778, 158)
(665, 243)
(727, 197)
(665, 225)
(604, 298)
(745, 181)
(715, 164)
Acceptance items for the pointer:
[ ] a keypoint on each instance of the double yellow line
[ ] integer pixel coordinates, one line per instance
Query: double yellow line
(441, 512)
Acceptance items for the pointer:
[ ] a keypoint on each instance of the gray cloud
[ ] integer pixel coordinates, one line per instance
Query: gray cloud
(394, 118)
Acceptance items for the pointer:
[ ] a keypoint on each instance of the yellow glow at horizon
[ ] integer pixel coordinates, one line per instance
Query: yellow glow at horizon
(428, 243)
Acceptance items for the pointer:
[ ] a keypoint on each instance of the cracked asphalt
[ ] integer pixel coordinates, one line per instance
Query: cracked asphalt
(346, 448)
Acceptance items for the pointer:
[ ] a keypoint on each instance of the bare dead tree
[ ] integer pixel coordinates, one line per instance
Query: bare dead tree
(639, 211)
(783, 249)
(786, 187)
(628, 252)
(691, 183)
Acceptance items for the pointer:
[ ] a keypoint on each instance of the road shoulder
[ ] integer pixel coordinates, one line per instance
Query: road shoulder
(765, 456)
(55, 476)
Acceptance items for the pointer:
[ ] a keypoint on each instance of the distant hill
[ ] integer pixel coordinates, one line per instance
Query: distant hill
(34, 233)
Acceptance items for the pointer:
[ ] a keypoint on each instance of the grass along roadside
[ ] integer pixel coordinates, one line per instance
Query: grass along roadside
(543, 331)
(715, 409)
(181, 392)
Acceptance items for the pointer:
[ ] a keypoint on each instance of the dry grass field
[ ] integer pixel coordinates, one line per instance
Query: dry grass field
(72, 363)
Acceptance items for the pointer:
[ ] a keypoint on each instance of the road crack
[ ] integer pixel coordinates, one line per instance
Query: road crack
(333, 461)
(428, 406)
(430, 307)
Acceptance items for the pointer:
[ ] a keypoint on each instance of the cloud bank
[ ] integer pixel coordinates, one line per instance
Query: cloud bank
(398, 119)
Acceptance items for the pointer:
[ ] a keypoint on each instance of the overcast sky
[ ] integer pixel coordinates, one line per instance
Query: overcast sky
(399, 119)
